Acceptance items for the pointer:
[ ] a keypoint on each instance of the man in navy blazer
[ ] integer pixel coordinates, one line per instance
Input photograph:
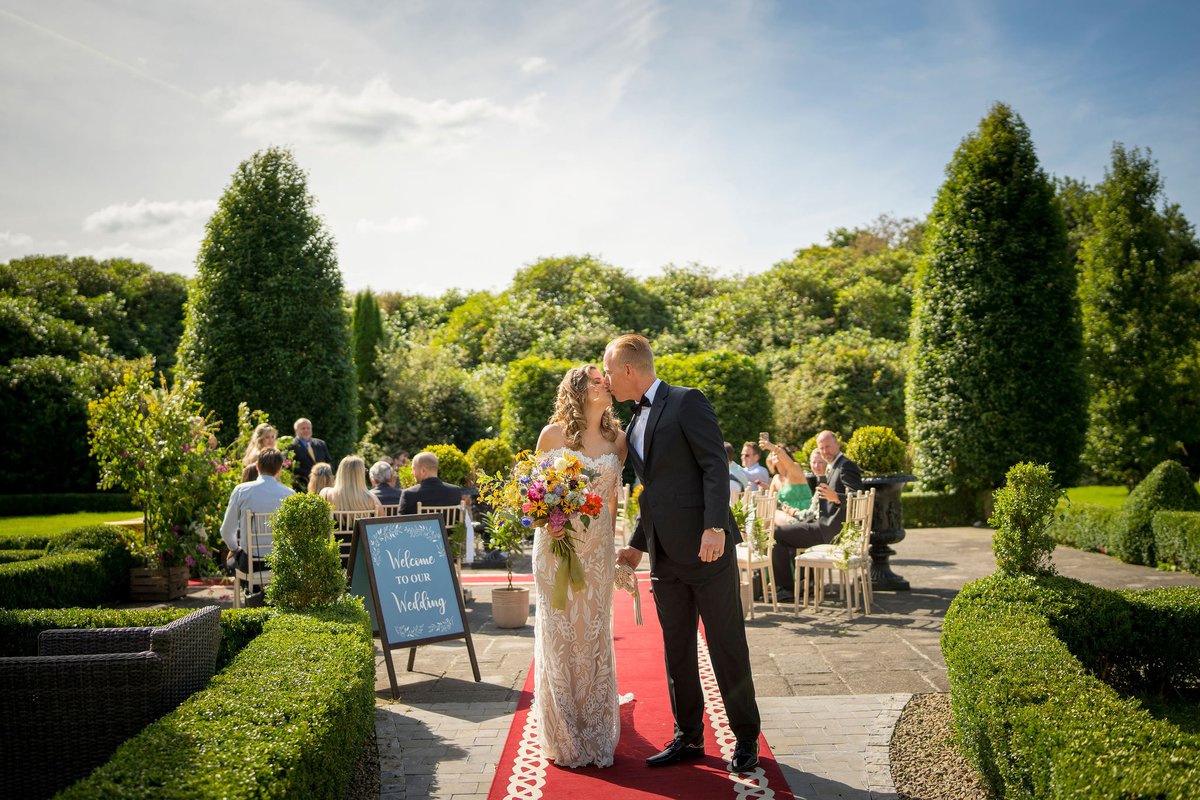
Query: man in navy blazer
(686, 526)
(306, 452)
(430, 489)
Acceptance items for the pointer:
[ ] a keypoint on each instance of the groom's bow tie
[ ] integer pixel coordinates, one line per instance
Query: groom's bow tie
(639, 405)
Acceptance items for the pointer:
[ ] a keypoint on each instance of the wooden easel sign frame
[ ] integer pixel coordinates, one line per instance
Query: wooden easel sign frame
(402, 568)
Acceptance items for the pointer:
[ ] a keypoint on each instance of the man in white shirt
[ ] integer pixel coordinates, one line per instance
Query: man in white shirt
(264, 495)
(759, 477)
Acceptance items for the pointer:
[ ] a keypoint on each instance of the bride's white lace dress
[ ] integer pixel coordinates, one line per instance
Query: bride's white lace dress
(575, 676)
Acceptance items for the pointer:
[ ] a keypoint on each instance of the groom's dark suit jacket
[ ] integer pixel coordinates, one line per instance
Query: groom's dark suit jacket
(685, 477)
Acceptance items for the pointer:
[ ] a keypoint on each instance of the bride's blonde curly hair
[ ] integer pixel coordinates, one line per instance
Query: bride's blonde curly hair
(569, 408)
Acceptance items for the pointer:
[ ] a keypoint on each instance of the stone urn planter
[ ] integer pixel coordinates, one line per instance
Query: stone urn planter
(510, 606)
(161, 583)
(887, 528)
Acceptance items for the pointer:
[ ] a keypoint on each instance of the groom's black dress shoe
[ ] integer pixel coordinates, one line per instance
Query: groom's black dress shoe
(745, 756)
(677, 750)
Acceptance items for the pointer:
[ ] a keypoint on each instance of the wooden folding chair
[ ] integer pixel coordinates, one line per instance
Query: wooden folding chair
(257, 541)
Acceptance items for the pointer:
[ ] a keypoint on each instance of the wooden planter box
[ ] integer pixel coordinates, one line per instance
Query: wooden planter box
(164, 583)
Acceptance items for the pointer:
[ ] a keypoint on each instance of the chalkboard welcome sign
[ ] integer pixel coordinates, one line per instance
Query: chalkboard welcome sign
(401, 566)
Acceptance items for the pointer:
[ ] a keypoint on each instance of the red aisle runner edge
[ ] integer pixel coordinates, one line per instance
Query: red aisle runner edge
(646, 726)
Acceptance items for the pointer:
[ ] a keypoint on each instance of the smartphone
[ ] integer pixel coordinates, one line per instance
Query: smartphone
(763, 436)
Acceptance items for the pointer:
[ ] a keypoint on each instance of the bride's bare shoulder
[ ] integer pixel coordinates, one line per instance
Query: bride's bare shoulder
(551, 437)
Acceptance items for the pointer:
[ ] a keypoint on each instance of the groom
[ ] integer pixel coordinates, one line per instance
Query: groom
(686, 527)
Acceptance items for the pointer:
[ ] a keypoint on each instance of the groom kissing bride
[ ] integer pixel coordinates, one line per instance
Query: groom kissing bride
(686, 526)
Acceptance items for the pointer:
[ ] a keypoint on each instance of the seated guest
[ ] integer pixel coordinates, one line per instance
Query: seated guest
(263, 437)
(789, 481)
(320, 477)
(349, 490)
(381, 476)
(841, 476)
(249, 473)
(759, 477)
(262, 495)
(430, 489)
(738, 479)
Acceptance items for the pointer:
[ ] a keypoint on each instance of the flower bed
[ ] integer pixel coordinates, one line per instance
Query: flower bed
(286, 717)
(1025, 658)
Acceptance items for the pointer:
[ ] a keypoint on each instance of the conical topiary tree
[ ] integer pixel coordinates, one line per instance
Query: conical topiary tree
(366, 334)
(265, 324)
(995, 375)
(307, 567)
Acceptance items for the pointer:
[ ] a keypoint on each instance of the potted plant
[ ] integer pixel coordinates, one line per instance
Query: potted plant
(510, 604)
(884, 460)
(156, 443)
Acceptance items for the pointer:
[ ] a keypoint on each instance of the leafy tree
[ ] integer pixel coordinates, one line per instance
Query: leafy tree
(996, 343)
(732, 382)
(1141, 319)
(529, 392)
(265, 322)
(423, 395)
(840, 383)
(366, 334)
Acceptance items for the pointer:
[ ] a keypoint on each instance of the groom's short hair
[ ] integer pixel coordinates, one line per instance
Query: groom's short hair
(634, 349)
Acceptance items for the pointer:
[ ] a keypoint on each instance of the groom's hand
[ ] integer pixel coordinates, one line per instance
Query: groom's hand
(712, 544)
(629, 556)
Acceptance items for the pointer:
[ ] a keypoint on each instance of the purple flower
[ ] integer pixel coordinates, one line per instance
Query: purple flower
(203, 550)
(557, 519)
(187, 448)
(141, 465)
(526, 522)
(124, 454)
(191, 562)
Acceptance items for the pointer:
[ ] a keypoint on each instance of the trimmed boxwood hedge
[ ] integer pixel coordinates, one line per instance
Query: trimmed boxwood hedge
(36, 505)
(1177, 539)
(939, 509)
(287, 718)
(84, 566)
(1024, 655)
(1086, 526)
(9, 556)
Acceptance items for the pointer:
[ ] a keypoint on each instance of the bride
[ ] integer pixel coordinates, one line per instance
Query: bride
(575, 678)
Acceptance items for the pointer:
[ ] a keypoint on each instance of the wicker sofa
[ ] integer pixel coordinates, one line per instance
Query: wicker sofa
(64, 711)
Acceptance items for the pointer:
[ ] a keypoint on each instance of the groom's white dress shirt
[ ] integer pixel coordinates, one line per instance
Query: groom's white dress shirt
(637, 434)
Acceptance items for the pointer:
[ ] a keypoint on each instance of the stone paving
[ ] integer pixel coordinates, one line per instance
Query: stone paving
(830, 688)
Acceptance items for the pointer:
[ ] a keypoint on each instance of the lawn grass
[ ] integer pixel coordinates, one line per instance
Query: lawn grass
(1111, 496)
(56, 523)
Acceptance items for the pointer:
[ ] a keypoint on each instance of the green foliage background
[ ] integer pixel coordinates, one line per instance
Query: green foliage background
(265, 320)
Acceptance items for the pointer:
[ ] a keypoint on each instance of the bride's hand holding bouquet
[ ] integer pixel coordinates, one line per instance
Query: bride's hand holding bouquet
(549, 492)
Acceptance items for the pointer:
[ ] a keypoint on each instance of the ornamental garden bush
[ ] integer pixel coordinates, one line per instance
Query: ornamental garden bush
(81, 567)
(1056, 685)
(1167, 488)
(1177, 539)
(1086, 526)
(1022, 511)
(489, 456)
(453, 466)
(306, 559)
(878, 451)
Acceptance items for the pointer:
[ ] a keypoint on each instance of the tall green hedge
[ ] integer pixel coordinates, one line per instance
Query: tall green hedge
(83, 566)
(529, 391)
(732, 382)
(995, 375)
(1177, 539)
(366, 334)
(265, 323)
(1086, 526)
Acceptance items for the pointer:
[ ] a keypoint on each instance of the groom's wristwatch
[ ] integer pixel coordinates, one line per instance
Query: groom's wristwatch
(716, 530)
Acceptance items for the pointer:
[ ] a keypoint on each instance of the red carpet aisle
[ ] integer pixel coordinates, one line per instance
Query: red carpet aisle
(646, 725)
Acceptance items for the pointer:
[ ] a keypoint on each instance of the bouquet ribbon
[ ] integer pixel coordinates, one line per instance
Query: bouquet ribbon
(569, 573)
(626, 580)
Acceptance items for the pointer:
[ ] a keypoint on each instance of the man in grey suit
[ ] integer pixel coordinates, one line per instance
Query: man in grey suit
(685, 525)
(841, 476)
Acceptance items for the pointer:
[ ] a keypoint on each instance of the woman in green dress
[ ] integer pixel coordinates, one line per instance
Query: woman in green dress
(789, 481)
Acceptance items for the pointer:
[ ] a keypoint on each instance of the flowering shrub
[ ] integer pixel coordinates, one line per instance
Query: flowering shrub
(157, 444)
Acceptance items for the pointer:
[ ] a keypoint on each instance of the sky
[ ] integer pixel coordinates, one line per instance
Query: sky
(448, 144)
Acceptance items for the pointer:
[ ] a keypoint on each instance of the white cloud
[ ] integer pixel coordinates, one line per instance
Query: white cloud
(178, 256)
(392, 225)
(377, 115)
(147, 219)
(9, 239)
(532, 65)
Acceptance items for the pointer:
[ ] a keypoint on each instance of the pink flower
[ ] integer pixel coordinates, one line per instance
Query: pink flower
(203, 550)
(537, 492)
(526, 507)
(557, 520)
(187, 448)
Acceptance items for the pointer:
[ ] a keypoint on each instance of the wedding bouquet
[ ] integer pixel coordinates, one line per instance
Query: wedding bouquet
(552, 492)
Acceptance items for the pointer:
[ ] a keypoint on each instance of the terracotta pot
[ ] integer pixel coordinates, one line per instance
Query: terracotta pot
(510, 607)
(162, 583)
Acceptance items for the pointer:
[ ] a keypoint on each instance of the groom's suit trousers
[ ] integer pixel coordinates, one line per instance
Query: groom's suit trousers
(709, 592)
